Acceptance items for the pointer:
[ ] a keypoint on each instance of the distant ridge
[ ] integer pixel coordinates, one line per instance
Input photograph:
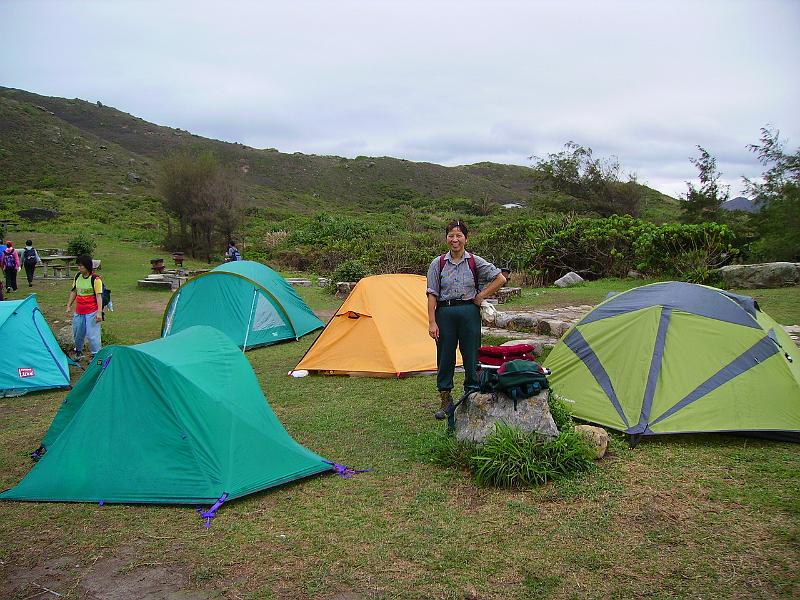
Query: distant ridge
(740, 203)
(55, 143)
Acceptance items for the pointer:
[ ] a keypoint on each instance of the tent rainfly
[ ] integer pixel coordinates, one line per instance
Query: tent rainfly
(177, 420)
(381, 330)
(35, 362)
(676, 357)
(246, 300)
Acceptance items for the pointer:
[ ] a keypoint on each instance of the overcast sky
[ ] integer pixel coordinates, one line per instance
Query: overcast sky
(450, 82)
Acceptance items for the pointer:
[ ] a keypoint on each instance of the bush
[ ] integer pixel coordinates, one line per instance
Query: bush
(350, 270)
(559, 411)
(81, 244)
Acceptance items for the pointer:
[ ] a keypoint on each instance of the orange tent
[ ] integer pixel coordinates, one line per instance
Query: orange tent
(381, 330)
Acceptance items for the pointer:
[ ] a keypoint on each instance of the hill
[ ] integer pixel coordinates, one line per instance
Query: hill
(740, 203)
(52, 143)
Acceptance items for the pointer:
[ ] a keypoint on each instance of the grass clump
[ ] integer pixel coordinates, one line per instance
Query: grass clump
(511, 458)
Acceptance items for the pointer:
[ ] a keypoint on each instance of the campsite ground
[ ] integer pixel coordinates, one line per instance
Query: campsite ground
(692, 516)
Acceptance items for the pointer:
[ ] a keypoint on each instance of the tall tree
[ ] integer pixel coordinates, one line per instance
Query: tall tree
(778, 196)
(575, 171)
(703, 203)
(202, 196)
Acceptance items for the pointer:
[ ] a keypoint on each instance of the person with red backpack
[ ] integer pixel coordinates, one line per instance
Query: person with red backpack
(458, 282)
(11, 266)
(87, 295)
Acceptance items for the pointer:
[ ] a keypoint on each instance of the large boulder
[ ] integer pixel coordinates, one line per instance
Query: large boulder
(567, 280)
(765, 275)
(476, 417)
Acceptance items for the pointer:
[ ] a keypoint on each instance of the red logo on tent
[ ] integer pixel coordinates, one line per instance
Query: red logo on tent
(25, 372)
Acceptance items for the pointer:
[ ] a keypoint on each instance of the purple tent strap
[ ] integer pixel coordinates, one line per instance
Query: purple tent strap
(212, 512)
(345, 472)
(38, 453)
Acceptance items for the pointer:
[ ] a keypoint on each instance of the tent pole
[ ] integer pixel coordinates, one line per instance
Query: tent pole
(249, 320)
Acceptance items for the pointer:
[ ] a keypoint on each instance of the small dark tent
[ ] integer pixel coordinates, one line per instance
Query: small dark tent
(32, 359)
(676, 357)
(176, 420)
(244, 299)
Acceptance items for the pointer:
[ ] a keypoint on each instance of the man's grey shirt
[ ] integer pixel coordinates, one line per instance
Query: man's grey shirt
(456, 281)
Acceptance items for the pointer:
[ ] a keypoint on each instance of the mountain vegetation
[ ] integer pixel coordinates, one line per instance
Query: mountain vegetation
(76, 166)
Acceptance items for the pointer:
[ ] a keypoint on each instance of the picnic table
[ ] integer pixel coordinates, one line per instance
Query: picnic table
(60, 264)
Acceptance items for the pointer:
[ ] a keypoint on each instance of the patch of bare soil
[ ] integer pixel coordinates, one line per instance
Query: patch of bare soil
(157, 306)
(117, 577)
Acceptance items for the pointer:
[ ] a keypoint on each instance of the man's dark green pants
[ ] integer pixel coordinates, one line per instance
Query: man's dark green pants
(458, 326)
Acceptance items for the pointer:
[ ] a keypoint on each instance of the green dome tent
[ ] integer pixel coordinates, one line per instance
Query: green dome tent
(176, 420)
(35, 362)
(679, 358)
(246, 300)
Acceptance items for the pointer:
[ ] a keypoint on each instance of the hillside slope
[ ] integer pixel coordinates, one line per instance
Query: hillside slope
(47, 141)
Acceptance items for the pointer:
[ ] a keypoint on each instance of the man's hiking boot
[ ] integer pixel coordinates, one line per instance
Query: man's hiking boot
(445, 405)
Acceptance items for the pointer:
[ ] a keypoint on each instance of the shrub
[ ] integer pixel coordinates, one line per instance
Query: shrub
(350, 270)
(81, 244)
(559, 411)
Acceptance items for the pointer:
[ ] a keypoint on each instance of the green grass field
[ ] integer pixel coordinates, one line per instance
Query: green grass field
(693, 516)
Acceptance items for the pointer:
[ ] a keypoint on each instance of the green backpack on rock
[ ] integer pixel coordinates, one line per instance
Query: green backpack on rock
(516, 379)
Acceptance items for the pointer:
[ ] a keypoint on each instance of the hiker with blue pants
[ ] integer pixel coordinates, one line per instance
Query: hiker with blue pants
(87, 295)
(458, 282)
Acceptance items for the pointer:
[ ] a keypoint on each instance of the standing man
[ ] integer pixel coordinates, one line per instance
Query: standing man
(87, 295)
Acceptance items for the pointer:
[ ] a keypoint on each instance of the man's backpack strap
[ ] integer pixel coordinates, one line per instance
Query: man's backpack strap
(470, 262)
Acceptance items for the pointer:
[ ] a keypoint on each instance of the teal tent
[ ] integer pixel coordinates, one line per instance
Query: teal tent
(176, 420)
(32, 359)
(246, 300)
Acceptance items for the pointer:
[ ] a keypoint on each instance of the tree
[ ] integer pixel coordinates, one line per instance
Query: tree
(703, 204)
(778, 196)
(576, 172)
(202, 196)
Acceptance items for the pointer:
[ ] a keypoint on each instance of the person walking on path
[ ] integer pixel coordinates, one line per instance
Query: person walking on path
(30, 258)
(87, 295)
(458, 282)
(11, 266)
(232, 253)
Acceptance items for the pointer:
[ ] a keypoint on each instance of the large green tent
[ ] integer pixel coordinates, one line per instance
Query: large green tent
(176, 420)
(676, 357)
(32, 359)
(246, 300)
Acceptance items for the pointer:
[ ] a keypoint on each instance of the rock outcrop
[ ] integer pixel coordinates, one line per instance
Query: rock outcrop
(765, 275)
(476, 417)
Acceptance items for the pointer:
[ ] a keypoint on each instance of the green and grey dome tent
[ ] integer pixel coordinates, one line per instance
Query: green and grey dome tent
(244, 299)
(35, 362)
(676, 357)
(176, 420)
